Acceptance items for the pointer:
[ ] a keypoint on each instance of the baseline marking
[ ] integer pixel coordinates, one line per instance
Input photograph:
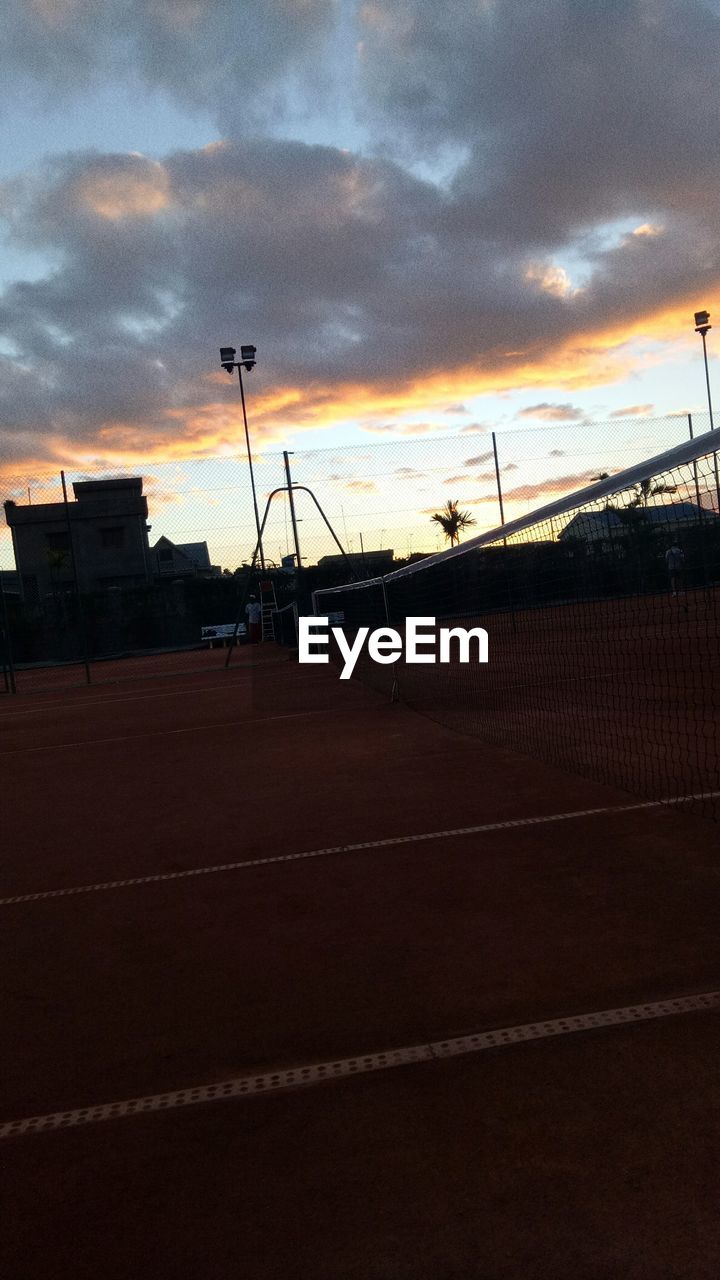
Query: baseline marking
(346, 848)
(80, 704)
(319, 1072)
(164, 733)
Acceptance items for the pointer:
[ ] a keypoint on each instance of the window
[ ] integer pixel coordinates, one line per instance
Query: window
(58, 541)
(112, 539)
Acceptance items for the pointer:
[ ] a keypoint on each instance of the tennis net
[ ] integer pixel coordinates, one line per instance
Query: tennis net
(603, 619)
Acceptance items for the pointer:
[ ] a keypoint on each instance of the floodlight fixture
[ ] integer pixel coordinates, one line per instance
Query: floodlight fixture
(702, 325)
(227, 358)
(247, 357)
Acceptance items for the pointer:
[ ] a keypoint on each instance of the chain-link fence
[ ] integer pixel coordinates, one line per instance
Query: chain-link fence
(105, 573)
(601, 613)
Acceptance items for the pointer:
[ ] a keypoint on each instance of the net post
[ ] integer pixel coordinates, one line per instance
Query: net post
(395, 687)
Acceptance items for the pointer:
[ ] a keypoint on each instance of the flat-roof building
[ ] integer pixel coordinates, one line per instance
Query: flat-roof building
(108, 521)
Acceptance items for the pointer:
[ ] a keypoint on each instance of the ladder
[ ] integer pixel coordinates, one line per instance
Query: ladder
(268, 602)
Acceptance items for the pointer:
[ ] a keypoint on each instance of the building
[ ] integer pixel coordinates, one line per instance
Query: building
(370, 562)
(10, 582)
(602, 529)
(108, 521)
(181, 559)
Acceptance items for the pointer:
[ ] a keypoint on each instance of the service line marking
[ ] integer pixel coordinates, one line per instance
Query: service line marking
(389, 842)
(320, 1072)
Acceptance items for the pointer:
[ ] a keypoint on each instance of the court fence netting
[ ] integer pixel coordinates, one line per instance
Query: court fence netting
(602, 617)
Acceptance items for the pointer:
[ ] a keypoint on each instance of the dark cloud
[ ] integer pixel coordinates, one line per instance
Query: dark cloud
(358, 280)
(565, 115)
(330, 264)
(478, 460)
(235, 59)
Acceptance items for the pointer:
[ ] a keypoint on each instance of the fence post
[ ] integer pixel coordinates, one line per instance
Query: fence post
(8, 667)
(499, 485)
(73, 564)
(703, 548)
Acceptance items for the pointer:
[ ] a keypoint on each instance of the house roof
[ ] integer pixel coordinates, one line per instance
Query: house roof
(357, 557)
(195, 551)
(596, 524)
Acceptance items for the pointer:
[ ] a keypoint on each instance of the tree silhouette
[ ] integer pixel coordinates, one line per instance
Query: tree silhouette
(649, 488)
(452, 521)
(57, 559)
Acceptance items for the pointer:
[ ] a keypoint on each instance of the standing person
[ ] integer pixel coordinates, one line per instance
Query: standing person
(253, 613)
(675, 559)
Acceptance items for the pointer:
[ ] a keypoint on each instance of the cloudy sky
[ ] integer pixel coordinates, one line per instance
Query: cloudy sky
(427, 218)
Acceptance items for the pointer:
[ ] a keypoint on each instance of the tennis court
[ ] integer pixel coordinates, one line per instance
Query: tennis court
(478, 994)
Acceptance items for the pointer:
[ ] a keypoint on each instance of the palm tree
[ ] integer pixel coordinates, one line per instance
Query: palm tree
(649, 488)
(57, 559)
(452, 521)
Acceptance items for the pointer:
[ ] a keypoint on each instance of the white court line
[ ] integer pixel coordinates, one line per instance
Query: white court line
(164, 733)
(506, 825)
(320, 1072)
(80, 704)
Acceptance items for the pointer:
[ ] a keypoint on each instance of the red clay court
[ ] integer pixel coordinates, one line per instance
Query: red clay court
(299, 983)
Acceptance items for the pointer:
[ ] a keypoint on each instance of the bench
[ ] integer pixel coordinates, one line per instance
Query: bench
(223, 632)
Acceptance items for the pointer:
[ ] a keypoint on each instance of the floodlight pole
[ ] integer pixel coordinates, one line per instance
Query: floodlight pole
(246, 361)
(707, 381)
(702, 325)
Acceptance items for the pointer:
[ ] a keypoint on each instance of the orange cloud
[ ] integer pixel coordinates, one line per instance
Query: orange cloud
(552, 412)
(214, 425)
(553, 484)
(588, 360)
(633, 411)
(550, 279)
(127, 193)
